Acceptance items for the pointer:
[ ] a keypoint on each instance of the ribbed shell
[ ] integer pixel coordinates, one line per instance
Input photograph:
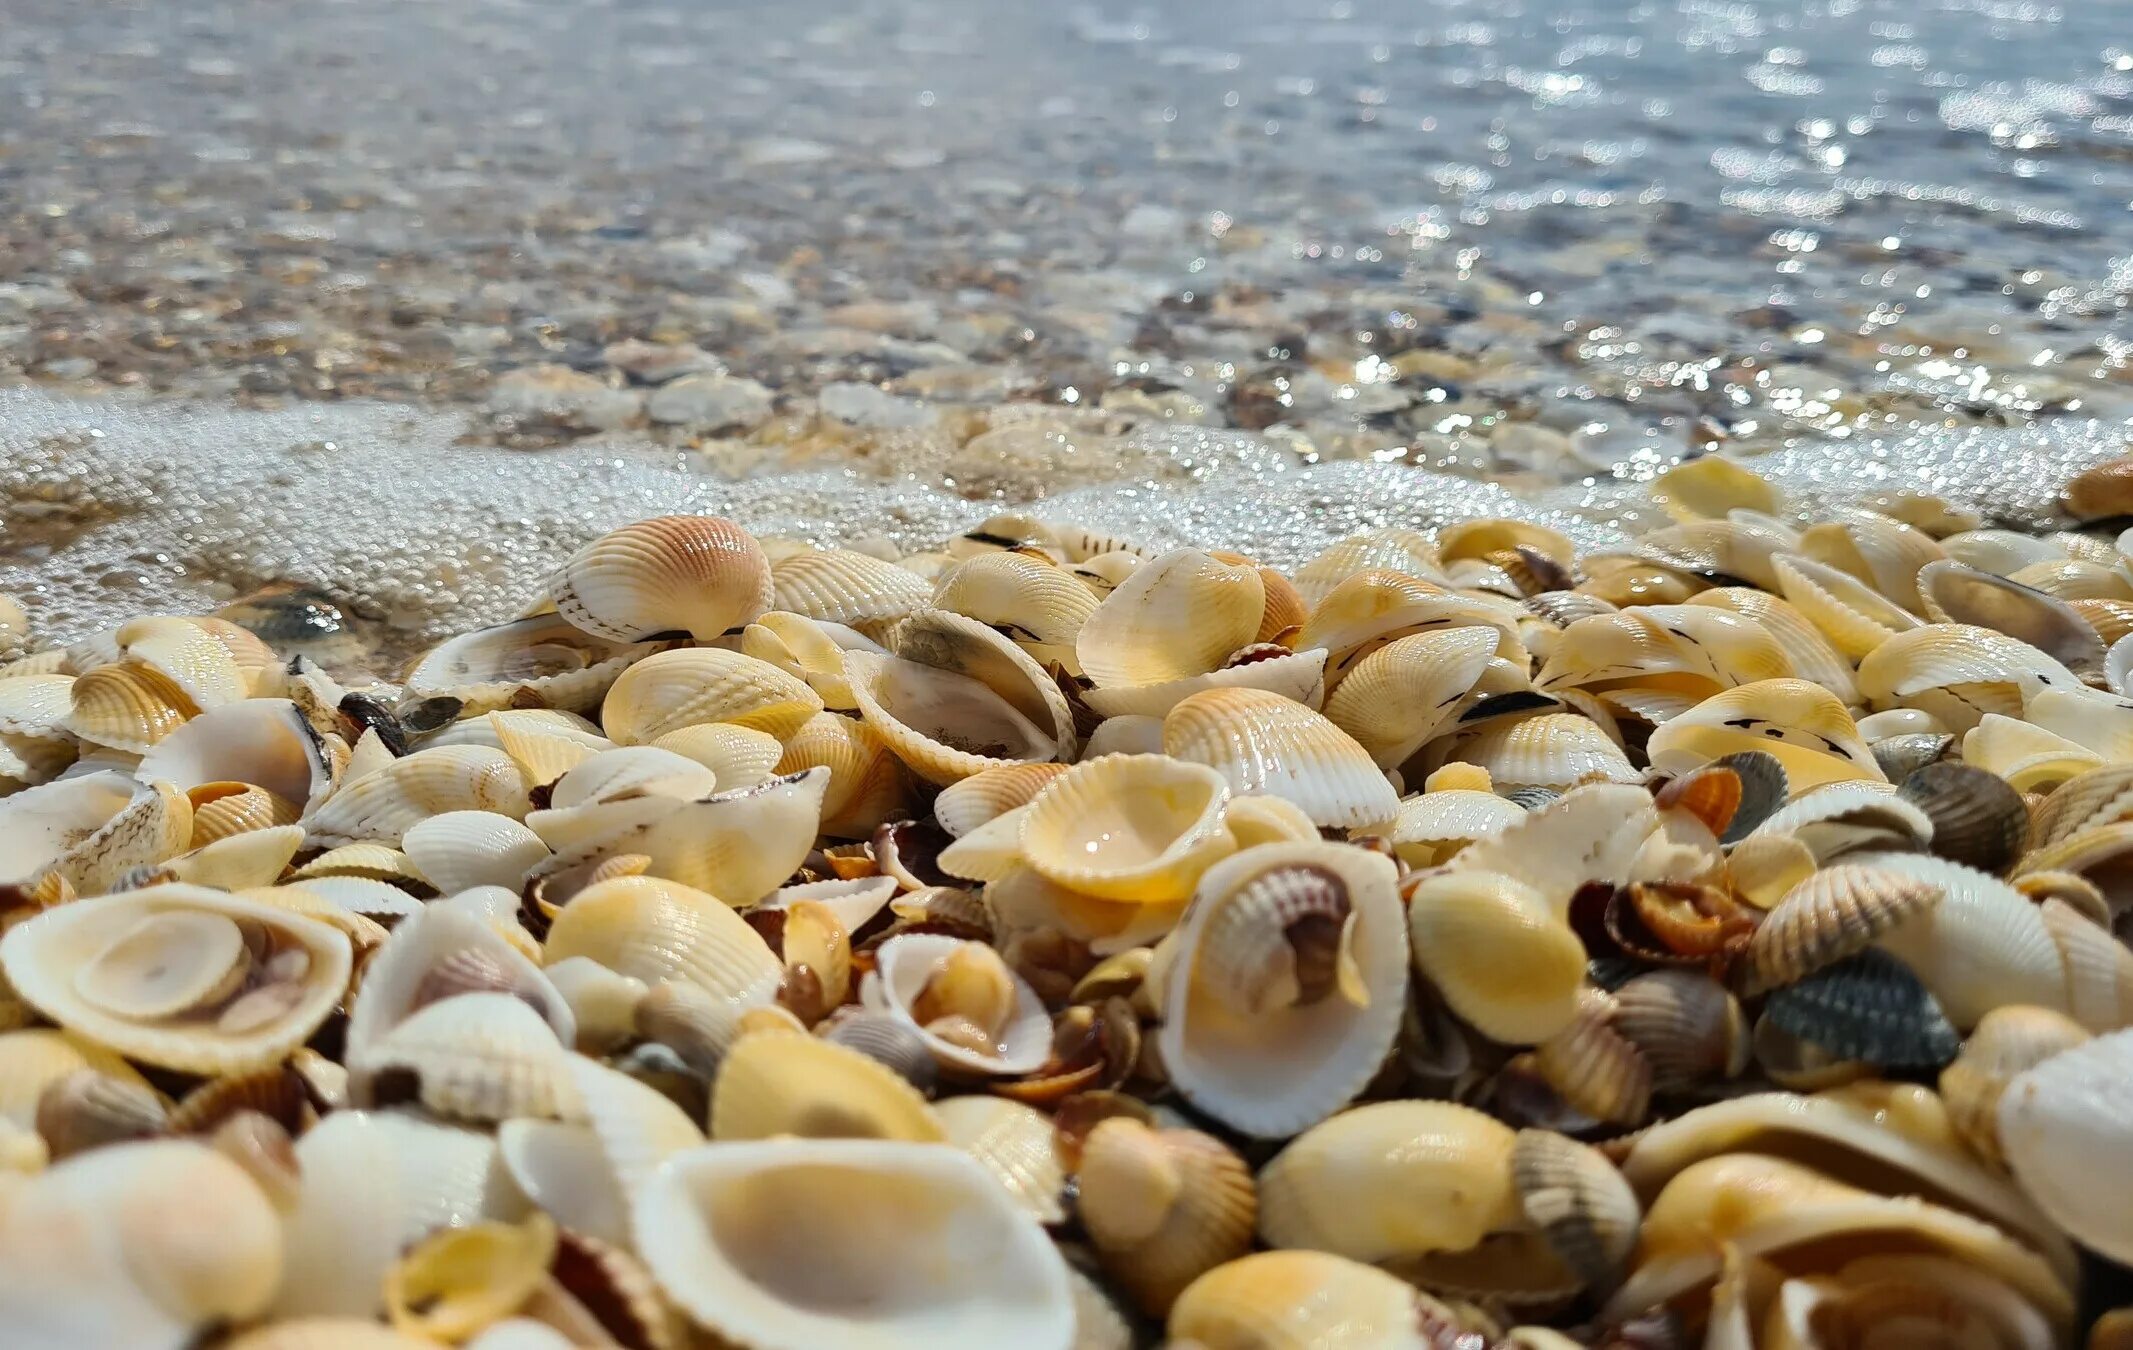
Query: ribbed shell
(1261, 742)
(1688, 1026)
(2007, 1042)
(904, 965)
(1802, 724)
(1867, 1007)
(196, 661)
(1853, 617)
(1837, 912)
(1943, 654)
(1163, 1207)
(90, 830)
(1014, 1143)
(1723, 648)
(1978, 819)
(1953, 593)
(2086, 802)
(836, 585)
(1982, 947)
(1390, 550)
(1405, 692)
(382, 806)
(35, 706)
(655, 930)
(671, 690)
(263, 741)
(2063, 1127)
(1128, 827)
(773, 1083)
(1884, 553)
(1719, 548)
(126, 707)
(2029, 757)
(221, 810)
(1175, 616)
(737, 756)
(1031, 600)
(965, 805)
(946, 724)
(540, 661)
(868, 785)
(1812, 656)
(1298, 675)
(1552, 750)
(1579, 1201)
(694, 574)
(477, 1056)
(459, 850)
(2099, 968)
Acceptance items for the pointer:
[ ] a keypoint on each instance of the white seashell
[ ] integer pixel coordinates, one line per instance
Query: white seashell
(1261, 742)
(1982, 947)
(737, 757)
(459, 850)
(1846, 818)
(811, 650)
(2063, 1126)
(384, 805)
(2001, 552)
(1589, 834)
(654, 930)
(1174, 617)
(944, 725)
(902, 970)
(839, 586)
(1013, 1142)
(1125, 736)
(2030, 758)
(799, 1244)
(1040, 605)
(1552, 750)
(2086, 717)
(745, 842)
(477, 1056)
(436, 954)
(188, 655)
(1433, 826)
(542, 745)
(965, 805)
(1882, 552)
(1407, 691)
(694, 574)
(255, 858)
(1812, 656)
(1391, 550)
(88, 831)
(1300, 676)
(542, 661)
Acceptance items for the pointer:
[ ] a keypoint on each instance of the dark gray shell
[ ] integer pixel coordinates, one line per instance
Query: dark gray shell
(1867, 1007)
(1979, 820)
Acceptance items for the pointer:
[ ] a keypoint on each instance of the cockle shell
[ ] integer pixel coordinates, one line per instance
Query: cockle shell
(867, 783)
(1710, 486)
(1884, 553)
(1812, 656)
(439, 953)
(837, 585)
(1405, 692)
(2057, 1122)
(89, 831)
(1689, 1028)
(746, 842)
(1589, 834)
(1013, 1142)
(1979, 820)
(1128, 827)
(1959, 673)
(694, 574)
(1801, 724)
(458, 850)
(653, 930)
(1550, 750)
(180, 976)
(1298, 675)
(127, 707)
(2006, 1042)
(965, 805)
(542, 661)
(1372, 608)
(809, 649)
(1433, 826)
(1984, 945)
(2001, 552)
(1594, 1069)
(382, 806)
(770, 1085)
(1305, 1300)
(1498, 955)
(2099, 967)
(1836, 912)
(1038, 604)
(1391, 550)
(222, 810)
(902, 985)
(1953, 593)
(1846, 818)
(1274, 1070)
(477, 1056)
(587, 1174)
(957, 712)
(1176, 616)
(266, 742)
(1261, 742)
(798, 1244)
(1851, 615)
(1162, 1207)
(667, 691)
(1578, 1201)
(1866, 1008)
(1710, 647)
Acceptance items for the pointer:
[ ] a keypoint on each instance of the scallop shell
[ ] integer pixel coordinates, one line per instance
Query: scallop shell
(1500, 958)
(1834, 914)
(1176, 616)
(540, 662)
(667, 691)
(384, 805)
(1128, 827)
(256, 981)
(1953, 593)
(653, 930)
(1162, 1207)
(1039, 605)
(1405, 692)
(126, 707)
(1801, 724)
(1261, 742)
(266, 742)
(1812, 656)
(1851, 615)
(1298, 675)
(2058, 1122)
(1391, 1180)
(1579, 1202)
(2007, 1042)
(1390, 550)
(1884, 553)
(867, 783)
(770, 1085)
(1274, 1071)
(87, 832)
(796, 1244)
(1551, 750)
(1982, 947)
(836, 585)
(694, 574)
(965, 805)
(1013, 1142)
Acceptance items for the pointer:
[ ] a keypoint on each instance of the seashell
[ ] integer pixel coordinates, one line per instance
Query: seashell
(899, 1246)
(2084, 804)
(837, 585)
(1298, 675)
(1598, 1072)
(2029, 758)
(1497, 954)
(1984, 945)
(2092, 720)
(738, 757)
(1128, 827)
(976, 1015)
(1162, 1207)
(1902, 756)
(1402, 694)
(1764, 789)
(1711, 486)
(1261, 742)
(1884, 553)
(1811, 655)
(611, 799)
(1593, 833)
(1126, 736)
(1866, 1007)
(538, 662)
(1252, 1055)
(126, 707)
(280, 1096)
(1959, 673)
(373, 1183)
(327, 1333)
(212, 661)
(438, 954)
(1953, 593)
(1978, 820)
(1302, 1300)
(694, 574)
(1013, 1143)
(947, 725)
(477, 1056)
(893, 1042)
(2075, 579)
(85, 833)
(1800, 724)
(384, 805)
(1851, 615)
(1391, 1180)
(1687, 1026)
(745, 842)
(2111, 620)
(2071, 889)
(1712, 647)
(180, 977)
(1174, 617)
(965, 805)
(770, 1085)
(90, 1109)
(1389, 550)
(457, 1282)
(1039, 605)
(1551, 750)
(374, 862)
(1624, 581)
(656, 930)
(460, 850)
(221, 810)
(2007, 1042)
(1763, 1206)
(867, 784)
(139, 1244)
(2098, 493)
(1834, 914)
(2057, 1120)
(1433, 826)
(668, 691)
(603, 1005)
(1579, 1203)
(810, 650)
(2099, 968)
(1896, 722)
(1479, 538)
(1372, 608)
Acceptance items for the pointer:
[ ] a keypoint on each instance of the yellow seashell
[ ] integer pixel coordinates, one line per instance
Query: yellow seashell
(1128, 827)
(1176, 616)
(671, 690)
(1372, 608)
(2006, 1042)
(1303, 1300)
(1388, 550)
(1014, 1143)
(808, 650)
(1551, 750)
(221, 810)
(1596, 1070)
(965, 805)
(771, 1085)
(1040, 605)
(457, 1282)
(1710, 487)
(2029, 757)
(654, 930)
(543, 750)
(382, 806)
(1849, 613)
(694, 574)
(737, 756)
(199, 663)
(127, 707)
(1812, 656)
(837, 585)
(1405, 692)
(1261, 742)
(1801, 724)
(868, 784)
(1479, 538)
(1686, 648)
(1498, 955)
(958, 698)
(1163, 1207)
(1877, 550)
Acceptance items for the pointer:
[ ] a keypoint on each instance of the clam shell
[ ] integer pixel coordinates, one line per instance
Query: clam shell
(439, 953)
(2001, 552)
(965, 805)
(770, 1085)
(1040, 605)
(382, 806)
(654, 930)
(796, 1244)
(745, 842)
(1276, 1071)
(868, 784)
(1390, 550)
(1433, 826)
(1500, 958)
(34, 1060)
(1902, 756)
(891, 1041)
(1812, 656)
(1594, 1069)
(88, 1109)
(2084, 803)
(1301, 1300)
(836, 585)
(1593, 833)
(903, 968)
(694, 574)
(1372, 608)
(1013, 1142)
(1866, 1007)
(1953, 593)
(1959, 673)
(1982, 947)
(1801, 724)
(1551, 750)
(944, 725)
(1836, 913)
(811, 650)
(476, 1056)
(1579, 1202)
(2099, 968)
(1298, 675)
(2094, 721)
(1720, 549)
(667, 691)
(1126, 736)
(459, 850)
(1978, 820)
(186, 1017)
(1128, 827)
(1174, 617)
(538, 662)
(1391, 1180)
(1162, 1207)
(223, 810)
(1687, 1025)
(1405, 692)
(199, 656)
(127, 707)
(1261, 742)
(1690, 642)
(2007, 1042)
(1882, 552)
(738, 757)
(1851, 615)
(87, 832)
(2058, 1122)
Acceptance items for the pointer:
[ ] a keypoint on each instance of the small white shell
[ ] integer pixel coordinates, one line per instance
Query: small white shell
(459, 850)
(903, 965)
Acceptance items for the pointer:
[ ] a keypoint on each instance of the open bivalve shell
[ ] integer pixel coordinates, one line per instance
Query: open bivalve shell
(958, 698)
(87, 832)
(266, 742)
(543, 661)
(1285, 985)
(800, 1244)
(977, 1016)
(1128, 827)
(180, 976)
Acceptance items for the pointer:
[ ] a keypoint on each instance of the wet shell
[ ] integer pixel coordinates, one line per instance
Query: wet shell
(1579, 1202)
(537, 662)
(1866, 1007)
(1689, 1028)
(1851, 615)
(867, 784)
(1953, 593)
(1493, 948)
(799, 1244)
(1272, 1071)
(1812, 656)
(1176, 616)
(1835, 913)
(1552, 750)
(1040, 605)
(1711, 647)
(1433, 826)
(1884, 553)
(1983, 946)
(737, 756)
(1402, 694)
(771, 1085)
(2058, 1121)
(200, 661)
(2007, 1042)
(1162, 1207)
(265, 742)
(180, 977)
(1959, 673)
(965, 805)
(655, 930)
(693, 574)
(839, 586)
(1801, 724)
(671, 690)
(1711, 486)
(987, 1022)
(1298, 675)
(1375, 607)
(809, 649)
(384, 805)
(126, 707)
(1391, 1180)
(1391, 550)
(1128, 827)
(1594, 833)
(887, 1040)
(459, 850)
(746, 842)
(1261, 742)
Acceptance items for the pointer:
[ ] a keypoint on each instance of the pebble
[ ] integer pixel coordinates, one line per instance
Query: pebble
(658, 362)
(557, 396)
(865, 405)
(710, 403)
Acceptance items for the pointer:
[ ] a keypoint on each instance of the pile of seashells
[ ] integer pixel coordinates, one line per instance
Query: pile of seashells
(1048, 942)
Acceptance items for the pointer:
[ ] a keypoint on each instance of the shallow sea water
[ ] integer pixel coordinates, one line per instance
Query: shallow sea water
(1251, 273)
